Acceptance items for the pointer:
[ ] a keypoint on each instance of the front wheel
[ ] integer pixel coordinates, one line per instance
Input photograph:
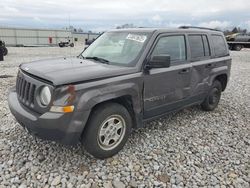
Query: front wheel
(107, 130)
(213, 98)
(61, 45)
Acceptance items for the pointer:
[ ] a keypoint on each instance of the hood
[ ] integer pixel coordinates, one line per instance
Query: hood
(70, 70)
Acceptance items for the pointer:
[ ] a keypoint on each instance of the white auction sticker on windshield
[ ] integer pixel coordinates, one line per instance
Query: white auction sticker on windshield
(138, 38)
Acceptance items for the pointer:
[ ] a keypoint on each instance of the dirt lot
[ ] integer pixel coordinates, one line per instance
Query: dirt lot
(190, 148)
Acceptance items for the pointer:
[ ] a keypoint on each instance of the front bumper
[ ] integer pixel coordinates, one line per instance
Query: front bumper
(64, 128)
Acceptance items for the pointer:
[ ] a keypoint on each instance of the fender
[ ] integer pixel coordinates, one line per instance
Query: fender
(216, 72)
(92, 97)
(89, 99)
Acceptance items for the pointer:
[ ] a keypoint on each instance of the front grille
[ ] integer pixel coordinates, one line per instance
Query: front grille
(25, 91)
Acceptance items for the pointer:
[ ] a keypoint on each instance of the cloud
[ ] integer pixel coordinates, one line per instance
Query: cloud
(157, 18)
(10, 9)
(92, 14)
(216, 24)
(37, 19)
(176, 24)
(246, 25)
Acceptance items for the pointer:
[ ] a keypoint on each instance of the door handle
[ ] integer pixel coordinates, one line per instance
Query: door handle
(184, 71)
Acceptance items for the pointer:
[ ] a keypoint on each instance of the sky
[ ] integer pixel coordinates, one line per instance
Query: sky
(101, 15)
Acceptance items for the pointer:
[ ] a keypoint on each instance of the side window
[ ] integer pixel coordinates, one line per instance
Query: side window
(220, 47)
(196, 46)
(206, 45)
(173, 46)
(199, 46)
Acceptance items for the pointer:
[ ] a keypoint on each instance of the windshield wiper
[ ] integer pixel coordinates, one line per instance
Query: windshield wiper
(102, 60)
(80, 56)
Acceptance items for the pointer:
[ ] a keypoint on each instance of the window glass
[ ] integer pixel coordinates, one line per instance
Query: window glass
(206, 45)
(220, 47)
(173, 46)
(196, 46)
(120, 48)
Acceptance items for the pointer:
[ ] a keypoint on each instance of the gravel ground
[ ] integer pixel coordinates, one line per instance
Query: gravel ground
(190, 148)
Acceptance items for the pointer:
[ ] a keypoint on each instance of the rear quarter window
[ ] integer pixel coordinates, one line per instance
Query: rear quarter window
(219, 45)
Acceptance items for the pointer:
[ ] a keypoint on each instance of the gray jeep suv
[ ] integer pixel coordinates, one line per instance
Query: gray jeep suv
(123, 79)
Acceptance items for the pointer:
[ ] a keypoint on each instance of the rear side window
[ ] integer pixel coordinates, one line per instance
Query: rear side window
(199, 46)
(220, 47)
(174, 46)
(206, 45)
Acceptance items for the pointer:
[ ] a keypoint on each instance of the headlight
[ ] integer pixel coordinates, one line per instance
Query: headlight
(45, 96)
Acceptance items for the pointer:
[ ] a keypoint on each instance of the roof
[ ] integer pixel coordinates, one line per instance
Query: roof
(169, 30)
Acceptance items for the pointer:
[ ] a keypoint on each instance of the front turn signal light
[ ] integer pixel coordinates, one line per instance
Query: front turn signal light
(62, 109)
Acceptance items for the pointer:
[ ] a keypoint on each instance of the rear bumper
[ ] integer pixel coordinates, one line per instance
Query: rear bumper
(64, 128)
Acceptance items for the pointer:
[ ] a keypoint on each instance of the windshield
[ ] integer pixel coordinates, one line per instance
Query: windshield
(120, 48)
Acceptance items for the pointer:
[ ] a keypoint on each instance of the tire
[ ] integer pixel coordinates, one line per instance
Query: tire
(238, 47)
(72, 45)
(5, 51)
(213, 98)
(61, 45)
(102, 138)
(230, 47)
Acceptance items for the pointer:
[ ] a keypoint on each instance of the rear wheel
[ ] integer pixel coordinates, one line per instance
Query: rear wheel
(5, 51)
(213, 98)
(72, 45)
(107, 130)
(238, 47)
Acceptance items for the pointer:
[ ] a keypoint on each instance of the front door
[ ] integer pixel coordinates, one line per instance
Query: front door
(167, 89)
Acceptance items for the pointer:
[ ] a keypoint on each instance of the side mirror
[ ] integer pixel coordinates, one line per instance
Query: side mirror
(159, 61)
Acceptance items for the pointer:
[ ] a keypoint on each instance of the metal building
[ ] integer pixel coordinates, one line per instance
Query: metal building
(41, 37)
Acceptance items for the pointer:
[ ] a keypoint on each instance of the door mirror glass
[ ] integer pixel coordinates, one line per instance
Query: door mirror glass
(159, 61)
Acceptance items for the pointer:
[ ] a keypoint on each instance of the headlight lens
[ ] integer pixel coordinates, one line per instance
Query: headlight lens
(45, 96)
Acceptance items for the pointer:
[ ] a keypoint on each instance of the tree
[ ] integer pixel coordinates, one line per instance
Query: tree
(71, 28)
(235, 30)
(227, 32)
(239, 30)
(79, 30)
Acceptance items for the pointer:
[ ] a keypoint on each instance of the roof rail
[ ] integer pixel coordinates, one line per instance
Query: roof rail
(194, 27)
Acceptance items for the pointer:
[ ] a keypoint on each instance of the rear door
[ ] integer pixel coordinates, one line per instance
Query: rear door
(166, 88)
(200, 56)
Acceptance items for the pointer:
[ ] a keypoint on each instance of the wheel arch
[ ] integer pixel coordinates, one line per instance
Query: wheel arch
(126, 101)
(223, 79)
